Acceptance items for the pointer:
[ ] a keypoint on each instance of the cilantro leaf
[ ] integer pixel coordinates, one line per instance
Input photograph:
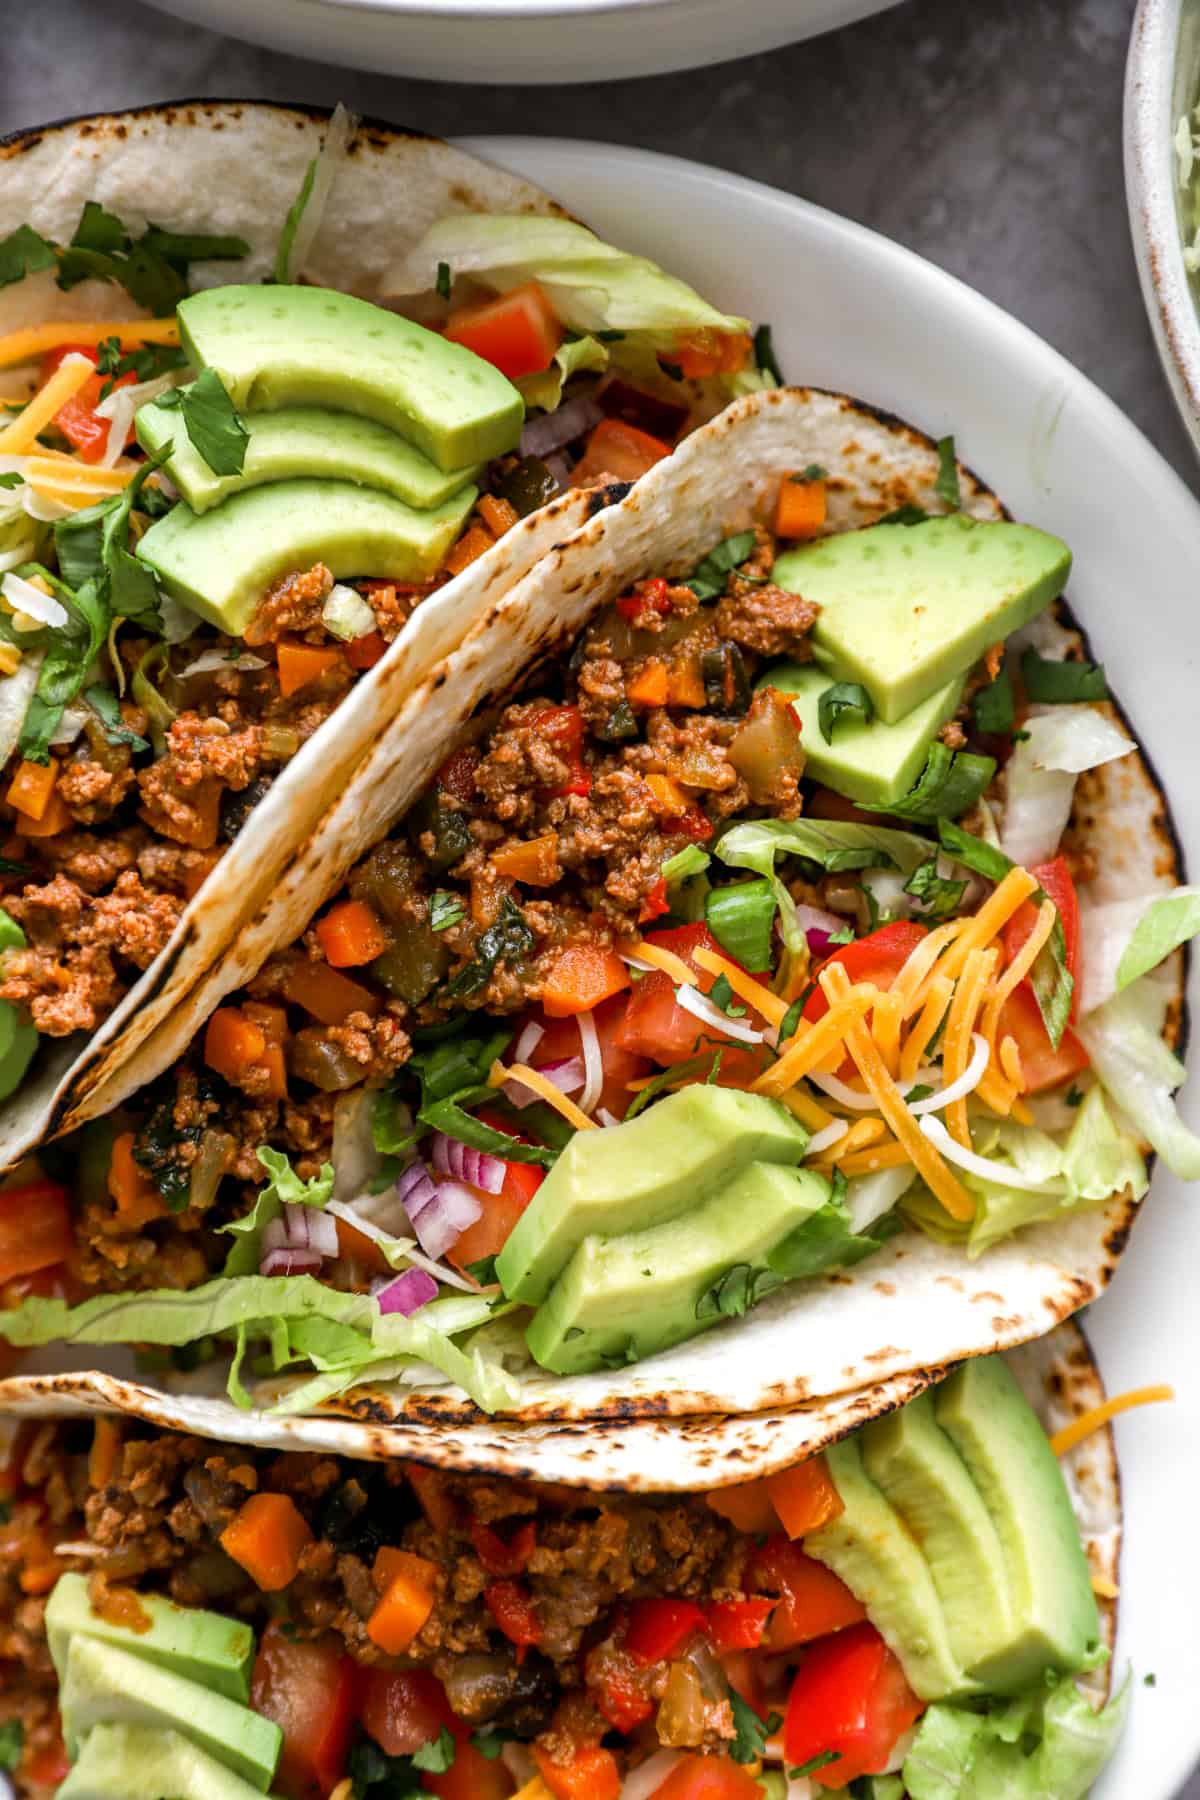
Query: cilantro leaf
(708, 579)
(993, 707)
(723, 996)
(153, 269)
(751, 1731)
(491, 1740)
(145, 362)
(950, 783)
(508, 940)
(70, 652)
(483, 1271)
(23, 252)
(12, 1740)
(437, 1757)
(764, 354)
(374, 1775)
(1062, 683)
(908, 514)
(215, 427)
(843, 697)
(939, 895)
(699, 1066)
(12, 480)
(946, 486)
(736, 1292)
(821, 1761)
(107, 707)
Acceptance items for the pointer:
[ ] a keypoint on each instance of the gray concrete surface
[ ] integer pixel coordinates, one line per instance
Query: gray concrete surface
(985, 134)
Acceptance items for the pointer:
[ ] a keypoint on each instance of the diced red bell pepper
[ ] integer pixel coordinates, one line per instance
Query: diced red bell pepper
(1042, 1066)
(504, 1556)
(471, 1776)
(877, 958)
(647, 596)
(562, 728)
(624, 1703)
(708, 1778)
(35, 1228)
(1057, 884)
(849, 1696)
(518, 333)
(656, 903)
(494, 1226)
(657, 1628)
(364, 652)
(738, 1624)
(49, 1766)
(513, 1609)
(310, 1690)
(79, 422)
(403, 1708)
(813, 1601)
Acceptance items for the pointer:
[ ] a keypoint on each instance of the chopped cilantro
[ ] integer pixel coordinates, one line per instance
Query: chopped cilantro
(105, 704)
(444, 280)
(938, 895)
(908, 514)
(709, 577)
(1074, 1096)
(722, 995)
(843, 697)
(735, 1293)
(1061, 683)
(751, 1731)
(508, 940)
(491, 1740)
(12, 480)
(993, 705)
(145, 362)
(23, 252)
(437, 1757)
(483, 1271)
(946, 486)
(764, 354)
(215, 427)
(445, 910)
(153, 268)
(820, 1761)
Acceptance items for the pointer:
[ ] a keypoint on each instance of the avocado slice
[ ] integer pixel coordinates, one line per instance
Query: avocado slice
(105, 1685)
(18, 1035)
(221, 563)
(620, 1299)
(906, 608)
(868, 1546)
(1055, 1621)
(300, 443)
(640, 1174)
(200, 1646)
(282, 346)
(875, 763)
(919, 1472)
(142, 1762)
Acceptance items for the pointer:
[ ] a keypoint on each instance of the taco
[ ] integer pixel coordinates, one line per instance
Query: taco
(930, 1601)
(702, 1038)
(238, 465)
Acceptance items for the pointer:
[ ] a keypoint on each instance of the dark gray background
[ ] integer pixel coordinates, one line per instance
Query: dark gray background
(985, 134)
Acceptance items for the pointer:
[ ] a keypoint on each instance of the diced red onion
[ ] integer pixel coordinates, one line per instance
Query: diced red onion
(552, 431)
(290, 1262)
(567, 1074)
(415, 1188)
(528, 1042)
(592, 1063)
(407, 1293)
(818, 927)
(475, 1167)
(560, 468)
(444, 1216)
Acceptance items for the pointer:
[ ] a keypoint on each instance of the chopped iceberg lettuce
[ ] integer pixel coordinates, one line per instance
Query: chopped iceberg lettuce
(833, 844)
(574, 356)
(285, 1188)
(1124, 1040)
(1046, 1742)
(1124, 939)
(1040, 776)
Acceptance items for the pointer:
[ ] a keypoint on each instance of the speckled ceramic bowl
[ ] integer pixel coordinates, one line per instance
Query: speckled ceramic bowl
(1162, 83)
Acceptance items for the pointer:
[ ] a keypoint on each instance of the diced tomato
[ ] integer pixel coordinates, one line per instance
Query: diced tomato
(471, 1776)
(35, 1228)
(592, 1774)
(514, 1612)
(657, 1628)
(647, 596)
(518, 333)
(403, 1708)
(657, 1027)
(1042, 1066)
(504, 1556)
(849, 1696)
(877, 958)
(708, 352)
(49, 1766)
(79, 422)
(656, 903)
(812, 1599)
(561, 1040)
(708, 1778)
(619, 450)
(562, 728)
(457, 774)
(738, 1624)
(364, 652)
(310, 1690)
(1056, 882)
(494, 1226)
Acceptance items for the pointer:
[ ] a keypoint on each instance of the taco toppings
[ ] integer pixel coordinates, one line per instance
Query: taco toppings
(214, 521)
(912, 1605)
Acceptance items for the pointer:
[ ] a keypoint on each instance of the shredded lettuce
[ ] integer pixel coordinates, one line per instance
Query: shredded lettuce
(1124, 1040)
(1049, 1741)
(592, 286)
(833, 844)
(1124, 939)
(574, 356)
(1040, 776)
(172, 1319)
(285, 1188)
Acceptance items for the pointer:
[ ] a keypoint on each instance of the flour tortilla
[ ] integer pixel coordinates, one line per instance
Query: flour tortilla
(234, 169)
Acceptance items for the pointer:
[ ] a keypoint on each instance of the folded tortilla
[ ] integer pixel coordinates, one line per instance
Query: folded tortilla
(234, 169)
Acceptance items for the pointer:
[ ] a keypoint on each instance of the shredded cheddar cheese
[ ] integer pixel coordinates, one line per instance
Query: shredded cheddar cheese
(802, 1106)
(1098, 1416)
(544, 1089)
(923, 1032)
(912, 983)
(62, 386)
(37, 340)
(886, 1019)
(75, 479)
(993, 915)
(660, 958)
(773, 1009)
(996, 1093)
(860, 1134)
(810, 1049)
(960, 1024)
(1104, 1589)
(1010, 1062)
(868, 1162)
(938, 1177)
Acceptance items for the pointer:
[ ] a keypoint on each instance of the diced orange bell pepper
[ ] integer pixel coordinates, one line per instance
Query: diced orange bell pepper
(267, 1537)
(351, 934)
(407, 1585)
(233, 1043)
(137, 1198)
(800, 509)
(534, 863)
(592, 1774)
(650, 686)
(31, 787)
(433, 1492)
(56, 818)
(804, 1496)
(470, 547)
(670, 801)
(497, 514)
(748, 1506)
(582, 976)
(328, 996)
(619, 450)
(685, 684)
(102, 1458)
(301, 664)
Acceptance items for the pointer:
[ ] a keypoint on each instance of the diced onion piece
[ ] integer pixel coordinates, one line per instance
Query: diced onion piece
(441, 1221)
(407, 1293)
(290, 1262)
(415, 1188)
(354, 1217)
(824, 1140)
(16, 691)
(567, 1074)
(966, 1084)
(25, 598)
(544, 1089)
(70, 725)
(843, 1093)
(210, 662)
(702, 1008)
(528, 1041)
(818, 927)
(554, 431)
(475, 1167)
(644, 1782)
(346, 614)
(592, 1062)
(986, 1167)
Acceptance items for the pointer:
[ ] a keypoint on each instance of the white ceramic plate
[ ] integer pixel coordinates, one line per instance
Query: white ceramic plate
(852, 311)
(501, 41)
(1161, 84)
